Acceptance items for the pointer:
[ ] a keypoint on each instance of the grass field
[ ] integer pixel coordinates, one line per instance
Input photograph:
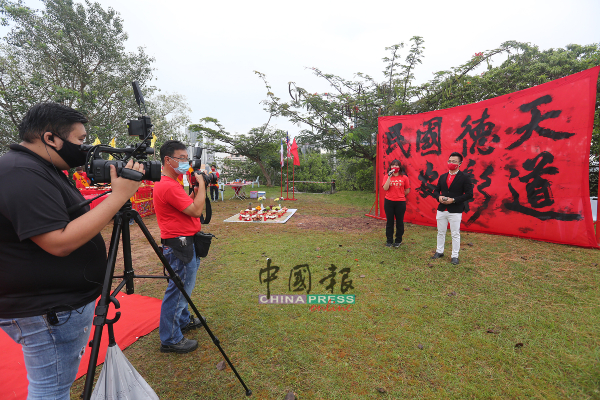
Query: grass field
(517, 319)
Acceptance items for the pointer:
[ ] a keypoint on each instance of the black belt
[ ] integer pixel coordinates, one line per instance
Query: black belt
(178, 241)
(182, 246)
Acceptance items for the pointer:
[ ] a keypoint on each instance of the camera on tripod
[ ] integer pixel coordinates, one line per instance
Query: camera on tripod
(98, 169)
(196, 165)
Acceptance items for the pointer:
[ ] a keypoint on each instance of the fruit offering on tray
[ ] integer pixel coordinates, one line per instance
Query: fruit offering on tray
(274, 214)
(256, 214)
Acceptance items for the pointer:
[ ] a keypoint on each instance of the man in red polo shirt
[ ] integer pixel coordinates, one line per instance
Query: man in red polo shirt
(178, 217)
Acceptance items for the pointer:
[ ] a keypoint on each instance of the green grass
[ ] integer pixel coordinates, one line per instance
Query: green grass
(419, 329)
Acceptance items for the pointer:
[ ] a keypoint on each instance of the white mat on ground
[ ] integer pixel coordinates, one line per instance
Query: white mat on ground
(281, 220)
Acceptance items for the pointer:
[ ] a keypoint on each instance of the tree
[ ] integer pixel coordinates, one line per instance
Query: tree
(170, 116)
(72, 54)
(260, 145)
(314, 167)
(345, 120)
(525, 66)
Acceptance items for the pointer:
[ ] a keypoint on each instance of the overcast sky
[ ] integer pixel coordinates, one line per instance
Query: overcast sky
(207, 51)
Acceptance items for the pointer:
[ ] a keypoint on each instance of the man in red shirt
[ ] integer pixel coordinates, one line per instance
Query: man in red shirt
(214, 187)
(81, 179)
(454, 188)
(189, 173)
(178, 217)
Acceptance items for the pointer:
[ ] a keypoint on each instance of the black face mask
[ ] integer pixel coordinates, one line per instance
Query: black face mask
(71, 153)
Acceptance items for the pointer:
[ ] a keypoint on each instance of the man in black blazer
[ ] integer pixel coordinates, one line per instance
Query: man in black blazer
(453, 189)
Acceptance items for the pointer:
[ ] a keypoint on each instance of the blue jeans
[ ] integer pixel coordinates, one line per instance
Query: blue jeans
(174, 313)
(52, 352)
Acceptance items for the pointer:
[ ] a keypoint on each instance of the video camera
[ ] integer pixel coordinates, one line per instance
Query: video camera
(196, 165)
(98, 169)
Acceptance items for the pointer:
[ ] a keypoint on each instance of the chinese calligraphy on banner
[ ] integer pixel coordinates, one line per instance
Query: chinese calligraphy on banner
(527, 154)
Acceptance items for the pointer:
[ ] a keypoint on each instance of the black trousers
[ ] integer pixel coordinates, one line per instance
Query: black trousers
(214, 193)
(394, 209)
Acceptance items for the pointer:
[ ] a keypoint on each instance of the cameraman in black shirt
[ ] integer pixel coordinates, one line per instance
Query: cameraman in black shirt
(52, 264)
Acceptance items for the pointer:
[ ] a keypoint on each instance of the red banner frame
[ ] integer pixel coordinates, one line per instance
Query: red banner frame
(527, 153)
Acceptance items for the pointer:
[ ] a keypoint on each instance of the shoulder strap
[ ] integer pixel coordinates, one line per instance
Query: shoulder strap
(206, 220)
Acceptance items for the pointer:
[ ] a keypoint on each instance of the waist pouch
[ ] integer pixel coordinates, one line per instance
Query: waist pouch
(202, 243)
(182, 247)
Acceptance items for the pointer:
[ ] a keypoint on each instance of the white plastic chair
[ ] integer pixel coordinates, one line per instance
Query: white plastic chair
(222, 190)
(256, 181)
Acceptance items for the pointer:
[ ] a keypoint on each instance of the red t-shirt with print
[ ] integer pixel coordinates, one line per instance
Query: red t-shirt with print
(170, 199)
(397, 186)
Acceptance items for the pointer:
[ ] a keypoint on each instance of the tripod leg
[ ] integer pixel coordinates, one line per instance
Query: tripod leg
(128, 268)
(179, 285)
(102, 307)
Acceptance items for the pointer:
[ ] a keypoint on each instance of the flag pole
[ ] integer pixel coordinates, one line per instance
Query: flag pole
(281, 186)
(293, 155)
(294, 183)
(287, 181)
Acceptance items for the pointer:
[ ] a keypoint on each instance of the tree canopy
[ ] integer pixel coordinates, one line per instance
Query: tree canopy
(170, 116)
(72, 54)
(260, 145)
(344, 120)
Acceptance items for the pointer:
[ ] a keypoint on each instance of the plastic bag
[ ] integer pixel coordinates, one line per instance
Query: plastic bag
(120, 381)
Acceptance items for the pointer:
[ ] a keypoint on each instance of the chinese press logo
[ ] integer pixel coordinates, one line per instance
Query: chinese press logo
(300, 281)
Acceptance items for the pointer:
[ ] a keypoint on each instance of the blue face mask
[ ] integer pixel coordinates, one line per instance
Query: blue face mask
(183, 167)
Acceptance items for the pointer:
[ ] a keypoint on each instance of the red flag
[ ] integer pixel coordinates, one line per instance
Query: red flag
(294, 151)
(289, 146)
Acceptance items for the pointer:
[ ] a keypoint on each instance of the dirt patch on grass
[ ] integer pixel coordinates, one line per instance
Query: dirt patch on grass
(144, 260)
(323, 223)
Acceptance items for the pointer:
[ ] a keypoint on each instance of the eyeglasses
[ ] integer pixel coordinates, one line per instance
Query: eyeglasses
(182, 159)
(453, 162)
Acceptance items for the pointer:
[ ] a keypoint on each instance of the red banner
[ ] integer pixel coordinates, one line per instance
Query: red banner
(527, 154)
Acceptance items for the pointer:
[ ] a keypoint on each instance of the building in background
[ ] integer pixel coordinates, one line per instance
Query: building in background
(235, 158)
(207, 145)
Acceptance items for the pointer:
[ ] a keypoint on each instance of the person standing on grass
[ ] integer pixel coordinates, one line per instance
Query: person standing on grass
(178, 217)
(453, 190)
(52, 261)
(397, 187)
(214, 186)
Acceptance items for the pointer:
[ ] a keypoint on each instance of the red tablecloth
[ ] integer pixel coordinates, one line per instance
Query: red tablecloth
(141, 201)
(139, 316)
(92, 190)
(97, 201)
(236, 186)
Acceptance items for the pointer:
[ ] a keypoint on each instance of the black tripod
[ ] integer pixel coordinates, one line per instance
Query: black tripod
(121, 227)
